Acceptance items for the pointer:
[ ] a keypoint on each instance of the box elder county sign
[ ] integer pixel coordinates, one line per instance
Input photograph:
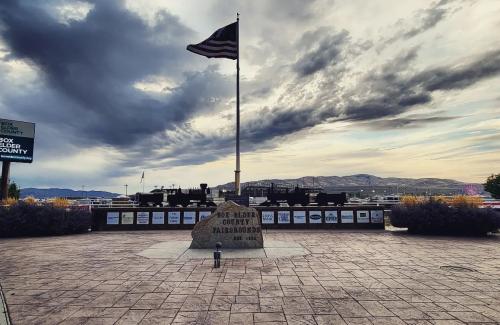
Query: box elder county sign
(16, 141)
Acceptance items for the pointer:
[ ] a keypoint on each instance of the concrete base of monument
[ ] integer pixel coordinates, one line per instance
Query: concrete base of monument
(181, 250)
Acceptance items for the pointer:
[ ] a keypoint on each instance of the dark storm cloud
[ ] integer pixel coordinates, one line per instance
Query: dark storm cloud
(423, 20)
(406, 122)
(93, 64)
(393, 89)
(396, 93)
(326, 53)
(461, 76)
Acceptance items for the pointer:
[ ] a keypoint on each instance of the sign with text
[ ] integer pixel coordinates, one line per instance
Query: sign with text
(189, 217)
(233, 225)
(377, 216)
(331, 216)
(158, 218)
(299, 217)
(16, 141)
(363, 217)
(174, 217)
(113, 218)
(143, 218)
(347, 216)
(283, 216)
(267, 217)
(127, 218)
(314, 216)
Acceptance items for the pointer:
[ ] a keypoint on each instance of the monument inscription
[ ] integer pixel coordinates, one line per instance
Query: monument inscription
(233, 225)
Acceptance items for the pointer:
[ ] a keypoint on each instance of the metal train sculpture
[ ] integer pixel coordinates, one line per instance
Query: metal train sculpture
(176, 197)
(276, 196)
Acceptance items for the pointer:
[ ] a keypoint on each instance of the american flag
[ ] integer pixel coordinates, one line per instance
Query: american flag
(222, 44)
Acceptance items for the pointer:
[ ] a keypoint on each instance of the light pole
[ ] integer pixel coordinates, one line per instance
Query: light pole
(126, 189)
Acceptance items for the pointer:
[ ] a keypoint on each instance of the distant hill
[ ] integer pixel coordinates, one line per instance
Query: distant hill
(359, 181)
(44, 193)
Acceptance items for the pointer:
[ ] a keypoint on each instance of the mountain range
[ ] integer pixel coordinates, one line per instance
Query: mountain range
(328, 183)
(359, 180)
(44, 193)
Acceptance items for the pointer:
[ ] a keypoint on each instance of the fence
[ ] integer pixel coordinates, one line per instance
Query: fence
(362, 217)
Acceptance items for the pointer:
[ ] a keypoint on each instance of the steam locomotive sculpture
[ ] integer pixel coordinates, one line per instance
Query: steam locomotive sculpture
(323, 199)
(176, 197)
(196, 196)
(275, 196)
(302, 196)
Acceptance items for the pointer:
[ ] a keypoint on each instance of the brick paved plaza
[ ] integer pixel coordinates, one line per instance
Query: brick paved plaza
(348, 277)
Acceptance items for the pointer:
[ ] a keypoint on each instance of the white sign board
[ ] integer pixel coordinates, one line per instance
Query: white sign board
(314, 216)
(189, 217)
(331, 216)
(299, 217)
(347, 216)
(377, 216)
(142, 218)
(204, 215)
(283, 216)
(113, 218)
(158, 218)
(127, 218)
(267, 217)
(174, 217)
(363, 216)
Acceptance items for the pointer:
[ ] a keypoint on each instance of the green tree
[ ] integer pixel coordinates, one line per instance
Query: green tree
(14, 191)
(492, 186)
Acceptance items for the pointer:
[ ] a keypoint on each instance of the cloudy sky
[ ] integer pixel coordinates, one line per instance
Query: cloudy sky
(328, 87)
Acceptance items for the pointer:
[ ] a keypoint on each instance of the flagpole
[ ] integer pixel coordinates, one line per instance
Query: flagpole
(237, 171)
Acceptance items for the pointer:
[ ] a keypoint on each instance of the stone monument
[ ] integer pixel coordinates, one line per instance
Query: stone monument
(233, 225)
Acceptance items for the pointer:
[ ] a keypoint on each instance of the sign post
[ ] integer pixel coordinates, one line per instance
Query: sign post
(16, 145)
(5, 179)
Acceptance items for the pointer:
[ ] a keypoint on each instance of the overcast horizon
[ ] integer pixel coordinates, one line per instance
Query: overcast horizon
(339, 88)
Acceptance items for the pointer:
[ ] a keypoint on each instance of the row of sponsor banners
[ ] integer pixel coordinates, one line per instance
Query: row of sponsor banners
(158, 218)
(268, 217)
(346, 216)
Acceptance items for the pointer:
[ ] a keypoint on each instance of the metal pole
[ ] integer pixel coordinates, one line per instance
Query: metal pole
(237, 171)
(5, 180)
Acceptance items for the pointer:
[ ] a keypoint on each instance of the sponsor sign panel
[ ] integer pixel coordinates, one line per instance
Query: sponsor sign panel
(363, 216)
(174, 217)
(127, 218)
(314, 216)
(158, 218)
(267, 217)
(283, 216)
(142, 218)
(347, 216)
(377, 216)
(204, 214)
(331, 216)
(299, 217)
(189, 217)
(113, 218)
(16, 141)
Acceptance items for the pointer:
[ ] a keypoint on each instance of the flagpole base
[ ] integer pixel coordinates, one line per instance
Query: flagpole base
(237, 182)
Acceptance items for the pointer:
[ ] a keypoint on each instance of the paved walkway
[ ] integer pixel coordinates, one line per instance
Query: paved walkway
(349, 277)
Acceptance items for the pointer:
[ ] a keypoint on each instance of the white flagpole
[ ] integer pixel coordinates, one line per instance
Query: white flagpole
(237, 171)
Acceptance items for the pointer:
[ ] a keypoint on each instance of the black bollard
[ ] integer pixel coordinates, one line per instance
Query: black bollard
(217, 255)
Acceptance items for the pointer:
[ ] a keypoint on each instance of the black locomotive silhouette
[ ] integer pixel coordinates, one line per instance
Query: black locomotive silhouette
(176, 197)
(302, 196)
